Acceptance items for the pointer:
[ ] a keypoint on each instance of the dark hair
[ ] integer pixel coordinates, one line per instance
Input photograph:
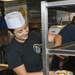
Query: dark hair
(11, 30)
(73, 19)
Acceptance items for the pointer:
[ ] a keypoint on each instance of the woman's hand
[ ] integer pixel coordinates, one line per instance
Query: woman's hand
(61, 56)
(52, 73)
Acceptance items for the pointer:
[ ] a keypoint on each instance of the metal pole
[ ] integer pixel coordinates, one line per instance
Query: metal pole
(60, 3)
(44, 21)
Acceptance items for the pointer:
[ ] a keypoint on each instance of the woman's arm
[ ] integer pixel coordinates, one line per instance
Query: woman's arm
(57, 39)
(20, 70)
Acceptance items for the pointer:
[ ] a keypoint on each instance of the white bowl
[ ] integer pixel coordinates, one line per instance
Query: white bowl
(63, 72)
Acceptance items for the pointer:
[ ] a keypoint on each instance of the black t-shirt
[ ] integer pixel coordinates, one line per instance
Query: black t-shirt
(68, 33)
(27, 53)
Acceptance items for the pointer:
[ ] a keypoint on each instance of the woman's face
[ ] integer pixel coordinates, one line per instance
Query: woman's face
(21, 34)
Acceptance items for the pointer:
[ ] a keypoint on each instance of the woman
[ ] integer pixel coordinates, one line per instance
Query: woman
(23, 53)
(68, 36)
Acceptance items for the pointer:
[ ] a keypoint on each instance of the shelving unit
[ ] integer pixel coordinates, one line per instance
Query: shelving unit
(15, 6)
(35, 25)
(34, 15)
(52, 19)
(44, 20)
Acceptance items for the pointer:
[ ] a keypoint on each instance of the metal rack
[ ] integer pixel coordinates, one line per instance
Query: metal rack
(44, 20)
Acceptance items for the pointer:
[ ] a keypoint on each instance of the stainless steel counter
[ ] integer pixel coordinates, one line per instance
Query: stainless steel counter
(3, 68)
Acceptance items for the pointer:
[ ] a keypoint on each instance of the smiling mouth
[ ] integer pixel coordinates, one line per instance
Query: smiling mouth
(25, 35)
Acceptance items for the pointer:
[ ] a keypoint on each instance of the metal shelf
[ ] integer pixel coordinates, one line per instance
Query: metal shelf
(65, 49)
(44, 22)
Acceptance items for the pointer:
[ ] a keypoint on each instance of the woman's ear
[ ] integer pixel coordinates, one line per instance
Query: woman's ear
(9, 32)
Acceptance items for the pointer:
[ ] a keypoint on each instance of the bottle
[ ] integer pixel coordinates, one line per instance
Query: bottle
(22, 11)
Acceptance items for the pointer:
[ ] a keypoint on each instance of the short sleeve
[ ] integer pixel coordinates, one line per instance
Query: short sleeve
(67, 34)
(13, 59)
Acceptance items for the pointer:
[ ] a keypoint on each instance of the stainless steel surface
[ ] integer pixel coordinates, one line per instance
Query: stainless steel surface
(60, 3)
(64, 46)
(4, 65)
(3, 68)
(65, 49)
(44, 36)
(44, 20)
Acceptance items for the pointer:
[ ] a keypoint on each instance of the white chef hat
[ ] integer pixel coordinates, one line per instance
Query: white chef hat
(14, 20)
